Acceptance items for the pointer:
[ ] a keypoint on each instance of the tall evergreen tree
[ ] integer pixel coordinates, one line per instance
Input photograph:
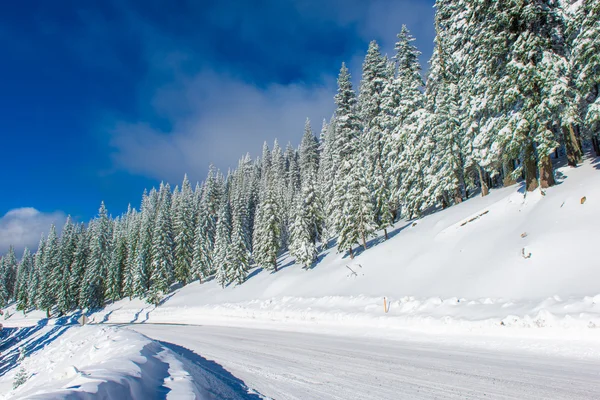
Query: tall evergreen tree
(202, 262)
(9, 276)
(586, 66)
(222, 251)
(93, 290)
(23, 274)
(352, 194)
(302, 244)
(118, 261)
(79, 266)
(162, 246)
(309, 193)
(65, 298)
(375, 140)
(184, 226)
(143, 250)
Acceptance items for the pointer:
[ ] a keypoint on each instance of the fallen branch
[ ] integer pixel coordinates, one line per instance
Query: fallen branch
(351, 270)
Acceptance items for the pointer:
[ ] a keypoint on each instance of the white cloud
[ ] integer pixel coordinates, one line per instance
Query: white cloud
(213, 117)
(226, 118)
(22, 227)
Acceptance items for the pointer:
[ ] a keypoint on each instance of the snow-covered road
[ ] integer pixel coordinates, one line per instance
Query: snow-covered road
(289, 365)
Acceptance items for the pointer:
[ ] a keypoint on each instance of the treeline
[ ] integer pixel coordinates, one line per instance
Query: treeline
(510, 83)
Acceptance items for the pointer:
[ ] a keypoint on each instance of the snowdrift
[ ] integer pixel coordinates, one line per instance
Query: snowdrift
(73, 362)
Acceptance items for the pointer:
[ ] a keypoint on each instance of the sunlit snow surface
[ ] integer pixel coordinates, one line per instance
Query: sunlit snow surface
(508, 285)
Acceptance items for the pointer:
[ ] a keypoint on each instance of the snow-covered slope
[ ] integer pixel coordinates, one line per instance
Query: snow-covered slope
(506, 260)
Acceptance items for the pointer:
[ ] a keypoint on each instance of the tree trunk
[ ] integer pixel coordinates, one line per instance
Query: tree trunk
(385, 233)
(485, 190)
(596, 144)
(445, 202)
(574, 154)
(546, 173)
(275, 263)
(509, 168)
(364, 240)
(351, 253)
(48, 313)
(530, 166)
(458, 196)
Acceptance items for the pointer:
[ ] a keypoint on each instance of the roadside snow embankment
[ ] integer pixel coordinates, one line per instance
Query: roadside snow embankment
(75, 362)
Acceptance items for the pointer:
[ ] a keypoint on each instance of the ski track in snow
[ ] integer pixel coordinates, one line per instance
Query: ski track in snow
(288, 365)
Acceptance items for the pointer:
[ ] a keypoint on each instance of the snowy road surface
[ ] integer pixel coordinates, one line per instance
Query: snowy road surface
(289, 365)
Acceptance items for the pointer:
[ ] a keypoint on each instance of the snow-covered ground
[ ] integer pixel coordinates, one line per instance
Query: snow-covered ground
(461, 292)
(300, 366)
(72, 362)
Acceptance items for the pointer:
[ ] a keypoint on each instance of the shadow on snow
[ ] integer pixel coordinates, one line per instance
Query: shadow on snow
(218, 381)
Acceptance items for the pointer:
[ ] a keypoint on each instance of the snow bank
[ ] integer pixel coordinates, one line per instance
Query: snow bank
(101, 362)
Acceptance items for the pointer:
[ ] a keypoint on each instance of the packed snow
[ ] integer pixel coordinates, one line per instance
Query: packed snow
(73, 362)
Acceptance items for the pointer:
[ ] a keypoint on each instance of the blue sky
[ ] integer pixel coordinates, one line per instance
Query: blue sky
(101, 99)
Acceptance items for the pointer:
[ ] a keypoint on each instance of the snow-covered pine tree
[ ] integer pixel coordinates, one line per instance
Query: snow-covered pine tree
(184, 220)
(93, 290)
(68, 243)
(586, 66)
(535, 69)
(34, 275)
(48, 283)
(132, 233)
(375, 140)
(447, 181)
(302, 231)
(278, 186)
(352, 195)
(309, 177)
(4, 297)
(118, 261)
(406, 158)
(222, 249)
(162, 274)
(23, 282)
(202, 264)
(143, 250)
(326, 177)
(239, 252)
(213, 195)
(292, 186)
(267, 224)
(9, 276)
(79, 265)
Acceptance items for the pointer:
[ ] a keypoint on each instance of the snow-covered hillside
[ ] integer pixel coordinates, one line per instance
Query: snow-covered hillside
(508, 272)
(506, 260)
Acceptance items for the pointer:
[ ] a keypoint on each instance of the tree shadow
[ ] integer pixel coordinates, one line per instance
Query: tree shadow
(166, 298)
(378, 240)
(252, 274)
(22, 338)
(595, 161)
(107, 316)
(320, 257)
(282, 267)
(70, 319)
(219, 382)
